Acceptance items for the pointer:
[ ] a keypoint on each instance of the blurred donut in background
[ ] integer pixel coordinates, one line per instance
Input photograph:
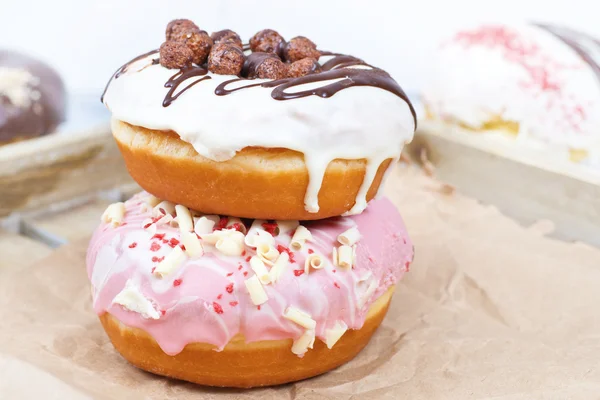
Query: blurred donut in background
(32, 97)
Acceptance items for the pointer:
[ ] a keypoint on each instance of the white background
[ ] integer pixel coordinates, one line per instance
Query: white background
(87, 40)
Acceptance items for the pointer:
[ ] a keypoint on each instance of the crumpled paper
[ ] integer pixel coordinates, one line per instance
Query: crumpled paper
(490, 309)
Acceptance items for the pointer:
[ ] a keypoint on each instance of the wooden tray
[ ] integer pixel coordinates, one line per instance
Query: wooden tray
(523, 184)
(61, 169)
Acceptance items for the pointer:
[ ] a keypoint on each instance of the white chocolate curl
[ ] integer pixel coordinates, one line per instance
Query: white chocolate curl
(114, 214)
(256, 235)
(300, 317)
(345, 257)
(166, 206)
(205, 224)
(133, 300)
(301, 236)
(334, 257)
(280, 265)
(193, 247)
(267, 253)
(166, 219)
(149, 226)
(234, 222)
(350, 237)
(313, 261)
(172, 261)
(287, 226)
(214, 237)
(152, 200)
(256, 291)
(184, 218)
(231, 245)
(260, 270)
(304, 342)
(335, 333)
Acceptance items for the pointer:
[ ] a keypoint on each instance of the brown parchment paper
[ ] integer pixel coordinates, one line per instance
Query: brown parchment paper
(490, 309)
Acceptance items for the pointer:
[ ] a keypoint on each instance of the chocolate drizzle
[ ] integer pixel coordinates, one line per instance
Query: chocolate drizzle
(338, 69)
(183, 75)
(333, 70)
(579, 42)
(123, 68)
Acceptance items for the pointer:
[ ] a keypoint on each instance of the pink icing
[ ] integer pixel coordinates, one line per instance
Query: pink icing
(205, 299)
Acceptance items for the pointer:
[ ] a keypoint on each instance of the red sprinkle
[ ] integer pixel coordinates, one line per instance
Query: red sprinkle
(159, 236)
(336, 285)
(154, 247)
(229, 274)
(173, 242)
(407, 265)
(133, 245)
(248, 258)
(310, 251)
(182, 247)
(258, 308)
(165, 241)
(229, 288)
(281, 248)
(233, 303)
(147, 225)
(177, 282)
(220, 296)
(155, 219)
(244, 253)
(163, 312)
(222, 224)
(298, 272)
(157, 259)
(334, 271)
(237, 226)
(217, 307)
(153, 269)
(240, 267)
(245, 273)
(270, 227)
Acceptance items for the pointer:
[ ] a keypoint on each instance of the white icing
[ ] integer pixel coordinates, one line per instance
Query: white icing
(474, 84)
(356, 123)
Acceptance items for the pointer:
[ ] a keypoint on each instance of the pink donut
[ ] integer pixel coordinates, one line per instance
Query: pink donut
(169, 316)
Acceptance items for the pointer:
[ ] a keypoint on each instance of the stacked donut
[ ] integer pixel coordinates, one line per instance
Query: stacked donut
(253, 257)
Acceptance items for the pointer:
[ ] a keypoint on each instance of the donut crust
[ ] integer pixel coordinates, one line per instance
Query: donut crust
(241, 364)
(259, 183)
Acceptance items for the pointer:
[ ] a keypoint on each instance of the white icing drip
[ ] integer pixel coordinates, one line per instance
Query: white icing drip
(360, 203)
(385, 177)
(356, 123)
(316, 167)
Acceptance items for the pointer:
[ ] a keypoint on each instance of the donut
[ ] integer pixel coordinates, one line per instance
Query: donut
(32, 97)
(305, 147)
(536, 86)
(168, 167)
(224, 301)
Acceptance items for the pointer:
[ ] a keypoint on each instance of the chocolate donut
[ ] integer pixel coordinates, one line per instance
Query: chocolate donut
(32, 97)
